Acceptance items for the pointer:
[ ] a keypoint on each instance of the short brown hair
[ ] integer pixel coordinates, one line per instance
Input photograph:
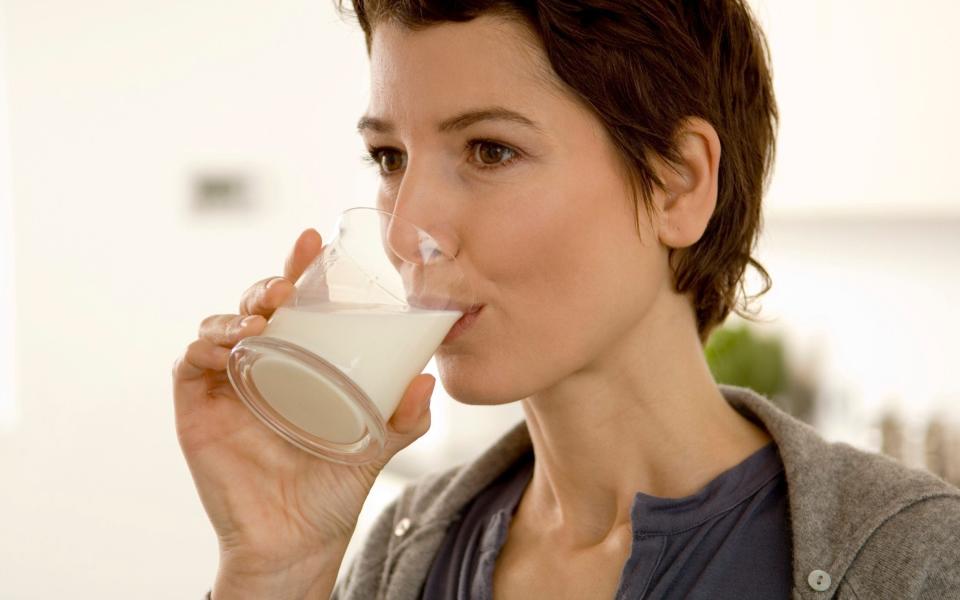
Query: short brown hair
(644, 66)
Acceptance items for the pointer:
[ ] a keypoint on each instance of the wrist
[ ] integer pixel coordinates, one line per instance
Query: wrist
(313, 577)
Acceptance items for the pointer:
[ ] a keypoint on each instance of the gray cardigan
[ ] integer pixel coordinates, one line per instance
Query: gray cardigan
(864, 526)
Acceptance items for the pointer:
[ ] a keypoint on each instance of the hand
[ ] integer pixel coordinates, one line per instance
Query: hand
(275, 508)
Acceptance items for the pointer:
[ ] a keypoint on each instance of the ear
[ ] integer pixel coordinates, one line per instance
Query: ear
(688, 202)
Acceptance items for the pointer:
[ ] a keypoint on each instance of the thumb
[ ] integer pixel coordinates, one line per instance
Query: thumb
(412, 417)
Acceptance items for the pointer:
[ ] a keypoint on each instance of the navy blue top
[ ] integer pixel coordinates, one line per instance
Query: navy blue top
(729, 540)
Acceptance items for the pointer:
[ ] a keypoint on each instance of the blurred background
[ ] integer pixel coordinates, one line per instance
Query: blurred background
(158, 158)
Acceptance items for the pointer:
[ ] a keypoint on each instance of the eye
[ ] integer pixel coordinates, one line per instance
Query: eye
(484, 154)
(388, 160)
(492, 155)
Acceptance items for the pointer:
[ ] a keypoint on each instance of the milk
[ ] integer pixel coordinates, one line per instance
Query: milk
(380, 348)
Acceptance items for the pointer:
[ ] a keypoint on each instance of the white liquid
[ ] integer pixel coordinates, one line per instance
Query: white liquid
(380, 348)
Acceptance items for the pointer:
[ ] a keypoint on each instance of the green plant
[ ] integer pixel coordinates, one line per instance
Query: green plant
(737, 356)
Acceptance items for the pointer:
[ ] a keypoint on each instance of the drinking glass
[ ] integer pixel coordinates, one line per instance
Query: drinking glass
(365, 317)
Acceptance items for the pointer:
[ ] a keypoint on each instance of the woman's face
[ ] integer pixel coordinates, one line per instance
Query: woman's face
(534, 202)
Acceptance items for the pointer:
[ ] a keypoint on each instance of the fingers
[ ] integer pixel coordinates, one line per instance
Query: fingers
(206, 358)
(306, 248)
(200, 356)
(203, 366)
(227, 330)
(263, 297)
(190, 370)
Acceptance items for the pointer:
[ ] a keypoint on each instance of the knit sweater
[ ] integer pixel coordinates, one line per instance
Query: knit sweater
(864, 526)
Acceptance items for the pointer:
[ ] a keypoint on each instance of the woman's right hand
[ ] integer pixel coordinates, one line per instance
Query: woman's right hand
(283, 517)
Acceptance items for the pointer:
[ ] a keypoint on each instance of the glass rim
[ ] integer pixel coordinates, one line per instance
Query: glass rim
(468, 304)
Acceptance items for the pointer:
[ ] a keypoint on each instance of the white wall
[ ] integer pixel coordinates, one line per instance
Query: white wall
(8, 407)
(868, 91)
(113, 104)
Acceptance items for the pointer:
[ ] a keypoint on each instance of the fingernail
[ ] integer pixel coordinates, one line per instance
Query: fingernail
(247, 320)
(273, 282)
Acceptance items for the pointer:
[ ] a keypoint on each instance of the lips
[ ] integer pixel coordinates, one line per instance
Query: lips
(463, 323)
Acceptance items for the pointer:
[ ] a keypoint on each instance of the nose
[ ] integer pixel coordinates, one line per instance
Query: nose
(420, 237)
(422, 231)
(408, 243)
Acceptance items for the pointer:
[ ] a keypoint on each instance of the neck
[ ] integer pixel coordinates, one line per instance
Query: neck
(634, 421)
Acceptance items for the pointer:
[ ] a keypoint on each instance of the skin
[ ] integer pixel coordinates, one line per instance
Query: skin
(580, 322)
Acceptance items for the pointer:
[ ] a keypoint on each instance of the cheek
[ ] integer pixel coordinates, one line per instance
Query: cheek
(528, 275)
(560, 293)
(569, 250)
(566, 275)
(532, 267)
(539, 332)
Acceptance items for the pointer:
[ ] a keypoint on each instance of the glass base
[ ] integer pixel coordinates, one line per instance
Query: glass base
(306, 400)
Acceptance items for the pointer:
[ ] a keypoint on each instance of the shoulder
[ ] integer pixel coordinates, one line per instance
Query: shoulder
(859, 519)
(836, 488)
(888, 530)
(915, 553)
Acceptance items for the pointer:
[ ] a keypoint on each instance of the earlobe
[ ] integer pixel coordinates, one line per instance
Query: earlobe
(691, 187)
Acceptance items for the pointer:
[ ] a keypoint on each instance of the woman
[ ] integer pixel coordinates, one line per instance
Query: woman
(599, 168)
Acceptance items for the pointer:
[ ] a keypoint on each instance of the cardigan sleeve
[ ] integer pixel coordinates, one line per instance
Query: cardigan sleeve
(364, 574)
(942, 576)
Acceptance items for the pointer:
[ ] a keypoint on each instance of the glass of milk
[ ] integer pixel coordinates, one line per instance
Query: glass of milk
(364, 319)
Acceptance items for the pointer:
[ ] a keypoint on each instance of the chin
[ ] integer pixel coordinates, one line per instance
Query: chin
(469, 390)
(467, 382)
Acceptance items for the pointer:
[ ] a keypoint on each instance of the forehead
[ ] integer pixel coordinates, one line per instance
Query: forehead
(489, 60)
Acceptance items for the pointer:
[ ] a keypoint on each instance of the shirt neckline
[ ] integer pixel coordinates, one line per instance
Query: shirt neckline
(654, 515)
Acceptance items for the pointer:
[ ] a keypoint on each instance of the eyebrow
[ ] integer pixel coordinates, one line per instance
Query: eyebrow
(455, 123)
